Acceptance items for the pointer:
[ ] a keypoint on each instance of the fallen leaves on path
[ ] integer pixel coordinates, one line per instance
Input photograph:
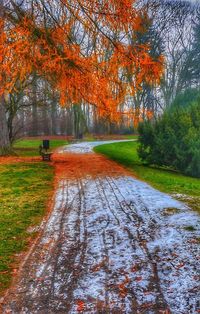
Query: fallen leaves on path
(123, 287)
(69, 165)
(108, 247)
(80, 305)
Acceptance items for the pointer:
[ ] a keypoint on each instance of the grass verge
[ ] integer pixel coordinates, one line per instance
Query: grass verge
(92, 138)
(24, 190)
(181, 186)
(30, 147)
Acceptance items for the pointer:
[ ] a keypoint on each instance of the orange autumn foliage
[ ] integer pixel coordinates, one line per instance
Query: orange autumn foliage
(85, 52)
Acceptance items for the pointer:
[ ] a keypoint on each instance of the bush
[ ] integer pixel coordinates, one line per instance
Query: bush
(173, 140)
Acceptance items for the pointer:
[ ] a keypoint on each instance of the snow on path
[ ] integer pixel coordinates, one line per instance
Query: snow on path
(112, 244)
(87, 147)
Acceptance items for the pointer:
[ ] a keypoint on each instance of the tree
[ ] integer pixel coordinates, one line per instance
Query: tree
(4, 132)
(47, 40)
(179, 129)
(195, 52)
(173, 22)
(145, 97)
(178, 42)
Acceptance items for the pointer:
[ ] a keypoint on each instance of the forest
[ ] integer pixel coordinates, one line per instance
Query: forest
(32, 101)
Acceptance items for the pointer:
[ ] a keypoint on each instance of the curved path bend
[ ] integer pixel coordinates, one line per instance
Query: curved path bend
(111, 244)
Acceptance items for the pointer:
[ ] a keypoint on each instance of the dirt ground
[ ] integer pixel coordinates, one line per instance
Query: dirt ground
(111, 244)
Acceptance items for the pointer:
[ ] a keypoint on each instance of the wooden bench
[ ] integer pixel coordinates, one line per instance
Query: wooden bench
(46, 156)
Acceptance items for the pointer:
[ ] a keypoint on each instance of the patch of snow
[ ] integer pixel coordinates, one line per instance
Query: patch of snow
(87, 147)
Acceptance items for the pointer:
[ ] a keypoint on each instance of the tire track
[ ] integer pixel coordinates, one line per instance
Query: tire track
(102, 249)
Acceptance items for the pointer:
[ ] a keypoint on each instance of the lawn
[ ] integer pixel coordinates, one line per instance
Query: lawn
(29, 147)
(162, 179)
(131, 137)
(93, 138)
(24, 190)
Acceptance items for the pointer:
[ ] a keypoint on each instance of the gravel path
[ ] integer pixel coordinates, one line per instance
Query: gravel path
(112, 244)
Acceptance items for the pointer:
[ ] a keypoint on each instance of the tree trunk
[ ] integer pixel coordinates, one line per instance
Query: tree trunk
(35, 112)
(45, 120)
(4, 133)
(54, 117)
(34, 131)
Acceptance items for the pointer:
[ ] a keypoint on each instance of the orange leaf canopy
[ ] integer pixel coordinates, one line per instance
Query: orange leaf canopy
(87, 50)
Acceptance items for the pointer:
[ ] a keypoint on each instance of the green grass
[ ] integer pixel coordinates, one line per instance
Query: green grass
(29, 147)
(164, 180)
(94, 138)
(24, 190)
(131, 137)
